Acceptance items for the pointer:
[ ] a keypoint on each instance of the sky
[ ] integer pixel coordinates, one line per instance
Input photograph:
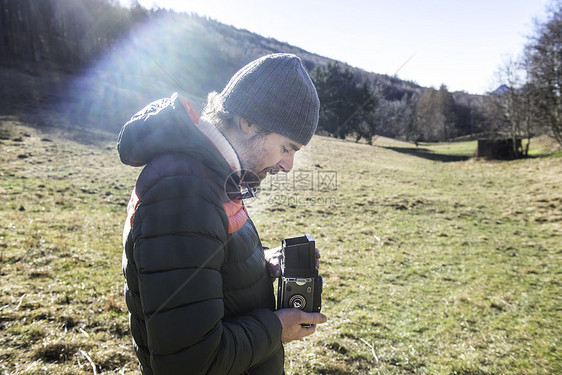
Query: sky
(458, 43)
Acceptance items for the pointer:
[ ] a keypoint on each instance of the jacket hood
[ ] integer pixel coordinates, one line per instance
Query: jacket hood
(164, 127)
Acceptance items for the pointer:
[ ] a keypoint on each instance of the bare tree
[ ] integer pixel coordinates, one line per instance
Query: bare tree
(544, 62)
(512, 105)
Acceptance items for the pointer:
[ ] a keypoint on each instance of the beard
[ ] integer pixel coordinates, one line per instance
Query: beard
(250, 155)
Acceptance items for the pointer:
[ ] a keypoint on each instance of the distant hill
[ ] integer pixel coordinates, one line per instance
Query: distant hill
(227, 48)
(501, 90)
(98, 71)
(186, 52)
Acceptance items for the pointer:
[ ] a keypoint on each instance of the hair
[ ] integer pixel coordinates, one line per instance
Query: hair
(215, 113)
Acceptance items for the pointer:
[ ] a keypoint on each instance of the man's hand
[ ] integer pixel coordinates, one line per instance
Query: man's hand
(273, 259)
(291, 320)
(317, 253)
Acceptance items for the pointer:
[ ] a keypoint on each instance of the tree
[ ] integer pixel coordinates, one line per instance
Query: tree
(434, 116)
(345, 106)
(67, 32)
(371, 113)
(512, 106)
(544, 61)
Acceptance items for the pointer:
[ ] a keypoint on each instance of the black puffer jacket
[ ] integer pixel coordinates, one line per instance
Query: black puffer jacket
(197, 289)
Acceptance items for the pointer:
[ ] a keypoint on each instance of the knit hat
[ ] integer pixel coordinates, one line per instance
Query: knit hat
(276, 93)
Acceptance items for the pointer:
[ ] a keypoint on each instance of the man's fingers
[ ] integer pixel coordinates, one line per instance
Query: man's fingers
(314, 318)
(319, 318)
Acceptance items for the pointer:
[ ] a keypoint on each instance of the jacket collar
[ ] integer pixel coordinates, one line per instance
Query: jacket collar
(229, 153)
(240, 191)
(221, 143)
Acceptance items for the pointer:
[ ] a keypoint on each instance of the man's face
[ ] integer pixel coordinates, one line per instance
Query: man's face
(266, 153)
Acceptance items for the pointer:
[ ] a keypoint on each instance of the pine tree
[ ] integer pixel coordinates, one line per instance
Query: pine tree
(346, 106)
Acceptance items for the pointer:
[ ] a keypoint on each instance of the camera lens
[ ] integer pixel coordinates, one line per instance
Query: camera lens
(297, 301)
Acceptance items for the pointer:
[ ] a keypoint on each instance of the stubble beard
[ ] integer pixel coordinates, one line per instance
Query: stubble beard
(250, 156)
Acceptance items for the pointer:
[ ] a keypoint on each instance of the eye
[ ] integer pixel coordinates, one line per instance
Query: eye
(285, 149)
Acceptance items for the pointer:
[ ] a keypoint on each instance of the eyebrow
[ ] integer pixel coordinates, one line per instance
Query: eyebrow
(294, 146)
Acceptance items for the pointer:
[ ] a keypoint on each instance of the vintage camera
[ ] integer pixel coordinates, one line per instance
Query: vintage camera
(300, 285)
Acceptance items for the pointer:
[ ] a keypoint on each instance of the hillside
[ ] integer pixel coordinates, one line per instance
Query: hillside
(90, 83)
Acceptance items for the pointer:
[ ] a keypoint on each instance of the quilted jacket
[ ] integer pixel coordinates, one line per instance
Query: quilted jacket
(199, 296)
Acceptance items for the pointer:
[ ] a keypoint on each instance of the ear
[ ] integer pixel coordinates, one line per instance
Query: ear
(248, 128)
(245, 126)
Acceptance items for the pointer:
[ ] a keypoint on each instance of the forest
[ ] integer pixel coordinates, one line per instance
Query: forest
(99, 62)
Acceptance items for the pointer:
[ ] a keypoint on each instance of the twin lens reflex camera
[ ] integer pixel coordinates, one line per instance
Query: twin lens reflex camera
(300, 285)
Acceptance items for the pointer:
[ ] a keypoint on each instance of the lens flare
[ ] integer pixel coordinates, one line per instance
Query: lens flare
(168, 52)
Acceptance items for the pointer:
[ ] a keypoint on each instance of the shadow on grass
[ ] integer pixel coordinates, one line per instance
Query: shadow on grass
(427, 154)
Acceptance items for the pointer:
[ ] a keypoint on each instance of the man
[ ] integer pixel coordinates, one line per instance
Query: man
(198, 286)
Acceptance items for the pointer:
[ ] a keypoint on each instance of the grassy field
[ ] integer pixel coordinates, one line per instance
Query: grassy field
(433, 263)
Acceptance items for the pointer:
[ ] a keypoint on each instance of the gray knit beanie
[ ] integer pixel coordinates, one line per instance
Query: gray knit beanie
(276, 93)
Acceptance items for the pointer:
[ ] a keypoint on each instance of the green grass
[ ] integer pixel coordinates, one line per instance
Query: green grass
(63, 203)
(467, 148)
(431, 265)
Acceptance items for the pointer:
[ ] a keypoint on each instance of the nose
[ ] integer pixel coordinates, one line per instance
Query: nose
(286, 164)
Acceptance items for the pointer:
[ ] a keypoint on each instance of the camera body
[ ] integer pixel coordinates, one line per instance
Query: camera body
(300, 285)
